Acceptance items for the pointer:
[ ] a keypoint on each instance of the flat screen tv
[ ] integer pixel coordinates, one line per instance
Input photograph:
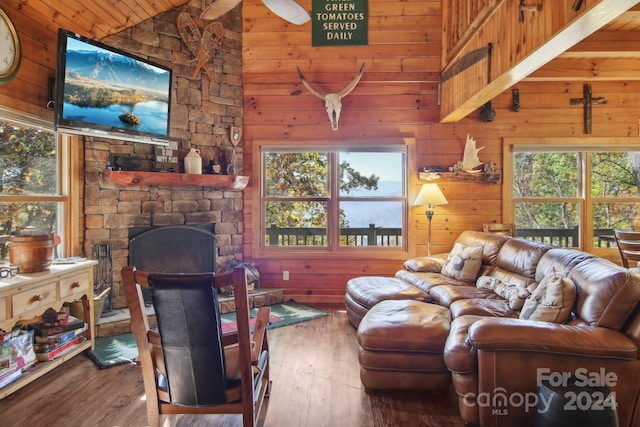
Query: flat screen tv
(106, 92)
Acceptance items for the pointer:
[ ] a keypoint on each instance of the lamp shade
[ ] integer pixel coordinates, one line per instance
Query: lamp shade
(430, 195)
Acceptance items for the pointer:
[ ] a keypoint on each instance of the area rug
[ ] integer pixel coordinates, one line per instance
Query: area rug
(284, 314)
(121, 349)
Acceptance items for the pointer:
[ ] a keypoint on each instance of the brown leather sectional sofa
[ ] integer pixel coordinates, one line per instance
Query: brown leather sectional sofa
(497, 360)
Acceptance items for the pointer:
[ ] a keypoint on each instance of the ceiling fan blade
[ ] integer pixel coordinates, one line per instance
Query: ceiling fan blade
(288, 10)
(218, 8)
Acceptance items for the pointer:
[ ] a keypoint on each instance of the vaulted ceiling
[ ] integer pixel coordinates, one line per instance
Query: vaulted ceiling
(612, 52)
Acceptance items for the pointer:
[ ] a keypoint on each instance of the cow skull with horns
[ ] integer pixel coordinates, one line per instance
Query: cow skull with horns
(333, 101)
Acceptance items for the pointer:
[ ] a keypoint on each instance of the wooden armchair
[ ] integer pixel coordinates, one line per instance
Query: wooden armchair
(187, 362)
(628, 243)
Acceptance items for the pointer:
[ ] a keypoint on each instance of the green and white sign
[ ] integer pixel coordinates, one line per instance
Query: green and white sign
(339, 23)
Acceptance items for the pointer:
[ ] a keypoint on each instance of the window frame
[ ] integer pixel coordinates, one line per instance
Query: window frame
(260, 250)
(584, 198)
(69, 224)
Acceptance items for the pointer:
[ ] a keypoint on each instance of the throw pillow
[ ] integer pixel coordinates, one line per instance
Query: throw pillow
(551, 301)
(463, 262)
(514, 295)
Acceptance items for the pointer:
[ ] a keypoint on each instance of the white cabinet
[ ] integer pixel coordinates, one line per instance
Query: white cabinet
(24, 297)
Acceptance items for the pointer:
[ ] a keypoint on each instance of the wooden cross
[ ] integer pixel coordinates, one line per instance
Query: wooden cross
(587, 100)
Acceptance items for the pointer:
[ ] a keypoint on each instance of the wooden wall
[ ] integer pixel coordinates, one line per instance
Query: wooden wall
(396, 97)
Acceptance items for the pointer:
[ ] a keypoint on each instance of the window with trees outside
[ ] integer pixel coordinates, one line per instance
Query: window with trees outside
(574, 195)
(334, 198)
(30, 184)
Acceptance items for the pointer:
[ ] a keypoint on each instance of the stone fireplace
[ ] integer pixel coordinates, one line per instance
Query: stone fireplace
(202, 113)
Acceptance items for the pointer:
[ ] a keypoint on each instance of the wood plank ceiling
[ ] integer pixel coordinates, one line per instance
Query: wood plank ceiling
(96, 19)
(610, 53)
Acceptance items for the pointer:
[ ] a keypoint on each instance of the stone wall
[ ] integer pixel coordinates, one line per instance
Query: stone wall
(202, 112)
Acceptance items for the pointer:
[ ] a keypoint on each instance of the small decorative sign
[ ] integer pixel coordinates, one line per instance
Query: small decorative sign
(339, 23)
(167, 158)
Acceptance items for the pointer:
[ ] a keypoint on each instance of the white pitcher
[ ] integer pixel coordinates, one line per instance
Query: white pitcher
(193, 162)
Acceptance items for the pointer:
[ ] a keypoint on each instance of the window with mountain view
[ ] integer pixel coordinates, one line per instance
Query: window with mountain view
(334, 198)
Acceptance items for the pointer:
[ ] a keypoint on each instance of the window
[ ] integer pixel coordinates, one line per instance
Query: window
(574, 194)
(334, 199)
(30, 182)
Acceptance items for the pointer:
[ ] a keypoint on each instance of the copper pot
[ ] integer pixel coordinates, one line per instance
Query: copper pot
(31, 253)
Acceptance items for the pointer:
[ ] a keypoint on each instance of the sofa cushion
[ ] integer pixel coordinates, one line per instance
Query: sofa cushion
(428, 264)
(459, 355)
(482, 307)
(491, 244)
(370, 290)
(405, 326)
(425, 281)
(561, 260)
(514, 295)
(463, 262)
(445, 295)
(521, 256)
(552, 300)
(607, 293)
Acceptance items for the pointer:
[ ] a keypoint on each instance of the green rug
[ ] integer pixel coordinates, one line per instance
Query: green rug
(121, 349)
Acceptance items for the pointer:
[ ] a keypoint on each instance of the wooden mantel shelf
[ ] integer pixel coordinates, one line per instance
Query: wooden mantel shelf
(136, 179)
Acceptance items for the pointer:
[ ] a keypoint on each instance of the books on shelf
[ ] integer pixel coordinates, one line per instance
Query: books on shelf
(51, 341)
(40, 330)
(12, 373)
(61, 349)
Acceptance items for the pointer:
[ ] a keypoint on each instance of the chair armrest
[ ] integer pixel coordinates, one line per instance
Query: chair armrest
(545, 337)
(259, 333)
(230, 337)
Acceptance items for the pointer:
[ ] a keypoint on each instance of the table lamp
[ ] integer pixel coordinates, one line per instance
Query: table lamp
(430, 195)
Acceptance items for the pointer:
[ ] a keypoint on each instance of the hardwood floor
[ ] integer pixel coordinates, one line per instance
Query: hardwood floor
(316, 383)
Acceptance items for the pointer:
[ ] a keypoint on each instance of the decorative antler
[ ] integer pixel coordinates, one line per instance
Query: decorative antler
(333, 101)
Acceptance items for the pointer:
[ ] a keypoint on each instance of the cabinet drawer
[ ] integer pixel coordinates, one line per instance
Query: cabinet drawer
(74, 284)
(42, 296)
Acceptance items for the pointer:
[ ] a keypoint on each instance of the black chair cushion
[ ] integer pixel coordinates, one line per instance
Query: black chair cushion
(188, 316)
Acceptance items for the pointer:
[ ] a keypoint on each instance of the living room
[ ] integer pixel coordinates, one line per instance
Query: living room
(399, 101)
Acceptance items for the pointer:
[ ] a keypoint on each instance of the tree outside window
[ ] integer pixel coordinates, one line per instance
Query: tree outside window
(334, 198)
(564, 197)
(29, 185)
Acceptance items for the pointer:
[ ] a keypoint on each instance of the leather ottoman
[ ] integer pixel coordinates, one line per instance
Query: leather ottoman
(366, 291)
(400, 346)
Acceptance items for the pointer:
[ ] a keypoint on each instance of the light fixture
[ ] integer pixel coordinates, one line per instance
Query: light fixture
(288, 10)
(218, 8)
(430, 195)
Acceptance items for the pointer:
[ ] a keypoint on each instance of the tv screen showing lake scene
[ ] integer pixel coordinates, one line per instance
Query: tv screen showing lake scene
(109, 90)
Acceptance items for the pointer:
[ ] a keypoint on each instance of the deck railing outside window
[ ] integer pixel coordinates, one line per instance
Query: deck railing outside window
(381, 236)
(349, 236)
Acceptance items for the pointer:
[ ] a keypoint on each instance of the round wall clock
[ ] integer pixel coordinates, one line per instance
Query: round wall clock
(10, 50)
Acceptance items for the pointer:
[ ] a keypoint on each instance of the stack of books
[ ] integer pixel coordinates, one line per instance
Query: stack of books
(54, 339)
